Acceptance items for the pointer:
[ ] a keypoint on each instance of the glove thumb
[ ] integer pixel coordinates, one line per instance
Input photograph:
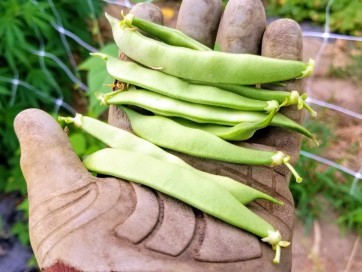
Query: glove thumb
(47, 160)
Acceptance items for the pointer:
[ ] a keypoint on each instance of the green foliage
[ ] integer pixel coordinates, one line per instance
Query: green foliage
(321, 185)
(97, 77)
(346, 15)
(83, 144)
(21, 230)
(141, 1)
(26, 26)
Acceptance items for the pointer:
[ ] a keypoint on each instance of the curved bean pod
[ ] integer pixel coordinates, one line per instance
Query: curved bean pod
(240, 132)
(206, 66)
(185, 185)
(137, 75)
(174, 37)
(121, 139)
(168, 106)
(167, 133)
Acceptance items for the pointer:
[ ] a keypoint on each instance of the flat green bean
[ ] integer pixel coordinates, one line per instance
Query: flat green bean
(185, 185)
(168, 106)
(240, 132)
(159, 82)
(121, 139)
(169, 134)
(175, 37)
(165, 34)
(205, 66)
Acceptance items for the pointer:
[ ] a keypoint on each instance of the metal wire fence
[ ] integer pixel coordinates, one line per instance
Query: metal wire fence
(69, 67)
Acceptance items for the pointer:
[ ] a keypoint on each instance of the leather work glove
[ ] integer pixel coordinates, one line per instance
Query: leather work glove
(79, 222)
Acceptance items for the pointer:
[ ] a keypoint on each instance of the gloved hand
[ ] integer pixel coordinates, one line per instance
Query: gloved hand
(82, 223)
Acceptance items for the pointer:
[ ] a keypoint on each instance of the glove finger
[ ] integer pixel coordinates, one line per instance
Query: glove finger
(283, 40)
(200, 20)
(150, 12)
(242, 26)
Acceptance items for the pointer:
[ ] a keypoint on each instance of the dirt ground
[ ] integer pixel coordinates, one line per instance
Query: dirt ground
(326, 248)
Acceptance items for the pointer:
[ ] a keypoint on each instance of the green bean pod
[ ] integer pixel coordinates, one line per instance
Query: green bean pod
(168, 35)
(185, 185)
(205, 66)
(132, 73)
(240, 132)
(168, 106)
(121, 139)
(174, 37)
(285, 98)
(169, 134)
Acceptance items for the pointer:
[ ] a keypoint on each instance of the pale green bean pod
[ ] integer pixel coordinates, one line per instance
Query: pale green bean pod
(156, 81)
(205, 66)
(169, 134)
(167, 106)
(185, 185)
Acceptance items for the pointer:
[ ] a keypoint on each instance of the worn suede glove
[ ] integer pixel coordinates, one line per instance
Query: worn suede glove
(82, 223)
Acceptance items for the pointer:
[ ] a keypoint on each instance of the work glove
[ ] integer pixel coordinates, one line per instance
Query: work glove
(79, 222)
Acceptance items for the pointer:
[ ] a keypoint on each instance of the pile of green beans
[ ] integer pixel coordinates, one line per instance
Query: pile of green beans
(218, 196)
(198, 102)
(121, 139)
(132, 73)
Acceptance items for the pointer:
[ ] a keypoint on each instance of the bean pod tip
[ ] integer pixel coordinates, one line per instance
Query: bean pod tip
(128, 19)
(77, 120)
(275, 240)
(273, 105)
(309, 69)
(99, 55)
(280, 158)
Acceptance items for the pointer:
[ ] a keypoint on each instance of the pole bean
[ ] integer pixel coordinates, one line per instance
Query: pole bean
(185, 185)
(121, 139)
(240, 132)
(168, 106)
(165, 34)
(156, 81)
(205, 66)
(169, 134)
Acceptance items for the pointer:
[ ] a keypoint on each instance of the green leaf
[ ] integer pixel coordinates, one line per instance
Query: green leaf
(96, 78)
(93, 62)
(4, 90)
(24, 207)
(21, 231)
(78, 142)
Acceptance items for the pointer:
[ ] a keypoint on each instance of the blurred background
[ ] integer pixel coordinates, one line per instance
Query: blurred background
(44, 63)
